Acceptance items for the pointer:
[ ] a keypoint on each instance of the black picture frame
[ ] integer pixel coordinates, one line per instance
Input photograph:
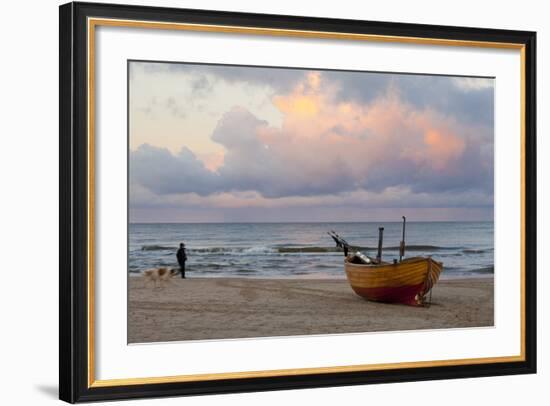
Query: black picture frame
(74, 385)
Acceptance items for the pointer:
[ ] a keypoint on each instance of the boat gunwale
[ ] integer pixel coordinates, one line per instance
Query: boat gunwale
(408, 261)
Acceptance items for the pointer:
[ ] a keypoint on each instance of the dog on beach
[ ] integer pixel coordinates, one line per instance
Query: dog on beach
(159, 275)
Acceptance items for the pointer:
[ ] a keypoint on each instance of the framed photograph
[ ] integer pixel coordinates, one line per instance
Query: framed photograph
(256, 202)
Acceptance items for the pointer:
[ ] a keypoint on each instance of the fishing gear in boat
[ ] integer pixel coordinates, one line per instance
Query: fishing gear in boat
(340, 242)
(357, 257)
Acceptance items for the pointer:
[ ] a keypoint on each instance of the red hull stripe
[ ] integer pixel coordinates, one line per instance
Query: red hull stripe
(400, 294)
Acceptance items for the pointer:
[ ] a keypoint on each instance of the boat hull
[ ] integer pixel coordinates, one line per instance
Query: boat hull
(406, 282)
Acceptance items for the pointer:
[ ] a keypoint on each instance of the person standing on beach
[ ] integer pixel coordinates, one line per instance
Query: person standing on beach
(182, 257)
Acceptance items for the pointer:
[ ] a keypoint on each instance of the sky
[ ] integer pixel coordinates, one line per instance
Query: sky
(217, 143)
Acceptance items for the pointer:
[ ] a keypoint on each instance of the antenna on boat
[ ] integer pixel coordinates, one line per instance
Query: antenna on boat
(380, 236)
(402, 245)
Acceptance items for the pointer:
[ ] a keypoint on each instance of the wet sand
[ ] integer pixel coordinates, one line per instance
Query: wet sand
(208, 308)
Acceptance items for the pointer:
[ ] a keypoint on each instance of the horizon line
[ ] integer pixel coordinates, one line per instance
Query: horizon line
(308, 222)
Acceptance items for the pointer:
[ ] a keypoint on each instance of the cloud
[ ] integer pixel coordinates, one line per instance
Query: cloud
(162, 172)
(280, 79)
(383, 150)
(392, 197)
(468, 84)
(466, 99)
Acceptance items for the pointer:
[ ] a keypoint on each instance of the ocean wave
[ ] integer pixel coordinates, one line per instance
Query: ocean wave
(293, 249)
(489, 269)
(424, 248)
(485, 270)
(356, 248)
(254, 250)
(156, 248)
(478, 251)
(312, 250)
(258, 250)
(209, 265)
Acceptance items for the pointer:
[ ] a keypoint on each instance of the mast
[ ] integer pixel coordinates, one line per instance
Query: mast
(402, 245)
(380, 236)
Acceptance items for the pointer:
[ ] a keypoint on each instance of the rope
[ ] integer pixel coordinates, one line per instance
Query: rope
(428, 279)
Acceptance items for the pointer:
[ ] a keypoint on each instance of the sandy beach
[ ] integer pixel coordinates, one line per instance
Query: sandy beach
(217, 308)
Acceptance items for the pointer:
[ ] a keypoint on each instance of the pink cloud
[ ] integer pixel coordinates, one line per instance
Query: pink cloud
(212, 161)
(319, 132)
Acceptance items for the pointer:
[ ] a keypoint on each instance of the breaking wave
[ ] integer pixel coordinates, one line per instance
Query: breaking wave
(156, 248)
(484, 270)
(473, 251)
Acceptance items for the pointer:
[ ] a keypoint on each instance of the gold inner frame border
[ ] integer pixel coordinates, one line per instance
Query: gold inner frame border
(94, 22)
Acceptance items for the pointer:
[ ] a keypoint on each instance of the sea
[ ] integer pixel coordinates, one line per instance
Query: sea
(305, 250)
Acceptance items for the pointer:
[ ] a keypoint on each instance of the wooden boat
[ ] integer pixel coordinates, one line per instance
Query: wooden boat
(407, 282)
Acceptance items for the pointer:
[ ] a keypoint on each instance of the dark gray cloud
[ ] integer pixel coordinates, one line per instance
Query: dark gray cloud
(162, 172)
(473, 106)
(440, 93)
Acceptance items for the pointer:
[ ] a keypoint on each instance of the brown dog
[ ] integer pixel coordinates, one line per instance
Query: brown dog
(160, 275)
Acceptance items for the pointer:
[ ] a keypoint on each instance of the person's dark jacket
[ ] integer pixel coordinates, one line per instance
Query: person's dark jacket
(182, 257)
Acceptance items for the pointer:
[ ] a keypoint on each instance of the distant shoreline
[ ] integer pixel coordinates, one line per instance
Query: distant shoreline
(219, 308)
